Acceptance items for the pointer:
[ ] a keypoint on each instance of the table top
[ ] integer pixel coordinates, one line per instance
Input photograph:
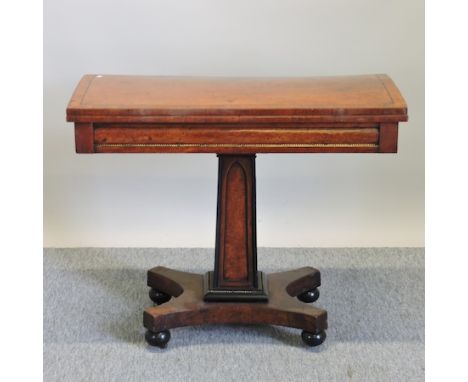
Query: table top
(117, 113)
(151, 98)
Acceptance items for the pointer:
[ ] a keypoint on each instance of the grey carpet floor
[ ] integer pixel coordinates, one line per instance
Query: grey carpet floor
(93, 302)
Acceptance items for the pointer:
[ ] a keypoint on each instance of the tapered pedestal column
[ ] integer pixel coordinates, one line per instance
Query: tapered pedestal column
(235, 275)
(235, 291)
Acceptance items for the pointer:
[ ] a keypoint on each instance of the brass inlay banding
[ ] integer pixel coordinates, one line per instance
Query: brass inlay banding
(265, 145)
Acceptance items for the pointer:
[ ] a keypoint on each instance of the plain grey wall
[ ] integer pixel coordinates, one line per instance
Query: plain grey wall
(170, 200)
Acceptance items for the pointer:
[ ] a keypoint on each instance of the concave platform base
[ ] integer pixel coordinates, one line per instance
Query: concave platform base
(187, 306)
(235, 292)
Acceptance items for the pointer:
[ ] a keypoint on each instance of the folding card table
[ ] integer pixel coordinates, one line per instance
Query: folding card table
(235, 118)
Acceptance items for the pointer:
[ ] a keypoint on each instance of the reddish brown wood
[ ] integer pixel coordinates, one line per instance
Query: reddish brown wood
(147, 114)
(388, 138)
(84, 138)
(239, 149)
(233, 138)
(224, 119)
(236, 246)
(189, 308)
(238, 117)
(141, 98)
(250, 135)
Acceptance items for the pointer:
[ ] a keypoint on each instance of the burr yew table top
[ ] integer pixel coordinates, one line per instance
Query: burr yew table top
(115, 113)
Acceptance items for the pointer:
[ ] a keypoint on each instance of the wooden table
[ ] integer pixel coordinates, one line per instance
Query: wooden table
(235, 118)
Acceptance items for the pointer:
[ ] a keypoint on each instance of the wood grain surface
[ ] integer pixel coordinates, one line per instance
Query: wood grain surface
(139, 98)
(236, 236)
(187, 307)
(150, 114)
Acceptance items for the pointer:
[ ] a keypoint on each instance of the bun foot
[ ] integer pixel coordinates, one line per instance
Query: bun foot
(158, 297)
(159, 339)
(313, 339)
(309, 296)
(187, 306)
